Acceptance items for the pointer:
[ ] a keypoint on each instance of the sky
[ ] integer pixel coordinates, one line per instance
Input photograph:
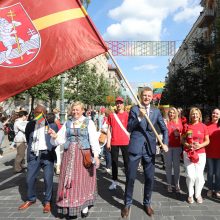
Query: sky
(144, 20)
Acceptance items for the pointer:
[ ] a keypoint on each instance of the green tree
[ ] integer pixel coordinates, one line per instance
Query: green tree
(86, 3)
(84, 84)
(75, 77)
(47, 91)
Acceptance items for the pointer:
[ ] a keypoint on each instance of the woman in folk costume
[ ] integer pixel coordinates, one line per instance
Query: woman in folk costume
(77, 184)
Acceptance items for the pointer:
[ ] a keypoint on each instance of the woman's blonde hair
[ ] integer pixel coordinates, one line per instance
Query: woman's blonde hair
(76, 103)
(192, 110)
(176, 114)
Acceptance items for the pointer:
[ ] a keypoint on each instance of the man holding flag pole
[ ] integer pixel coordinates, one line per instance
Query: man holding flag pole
(141, 125)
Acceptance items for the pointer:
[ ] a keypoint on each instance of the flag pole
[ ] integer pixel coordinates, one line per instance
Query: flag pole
(136, 99)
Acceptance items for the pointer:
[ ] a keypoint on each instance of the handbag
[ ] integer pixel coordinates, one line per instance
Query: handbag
(102, 138)
(87, 158)
(193, 156)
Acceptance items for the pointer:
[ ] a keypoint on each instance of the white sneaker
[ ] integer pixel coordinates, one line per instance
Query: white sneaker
(217, 194)
(108, 170)
(113, 185)
(1, 156)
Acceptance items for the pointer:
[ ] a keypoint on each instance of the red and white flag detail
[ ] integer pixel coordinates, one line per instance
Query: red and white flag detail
(20, 40)
(40, 39)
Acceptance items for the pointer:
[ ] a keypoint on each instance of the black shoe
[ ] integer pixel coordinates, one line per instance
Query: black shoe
(20, 171)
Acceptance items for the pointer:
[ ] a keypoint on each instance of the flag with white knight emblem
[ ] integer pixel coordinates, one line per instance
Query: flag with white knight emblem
(19, 39)
(40, 39)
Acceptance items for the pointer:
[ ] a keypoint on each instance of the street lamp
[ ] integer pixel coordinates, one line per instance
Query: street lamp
(62, 104)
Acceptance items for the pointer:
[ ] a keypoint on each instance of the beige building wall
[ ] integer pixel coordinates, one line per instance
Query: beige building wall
(101, 64)
(103, 67)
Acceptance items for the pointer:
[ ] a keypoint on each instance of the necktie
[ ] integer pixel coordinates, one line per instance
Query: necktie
(147, 110)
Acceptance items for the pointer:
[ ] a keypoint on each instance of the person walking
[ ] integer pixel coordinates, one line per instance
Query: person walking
(40, 154)
(172, 157)
(103, 128)
(3, 122)
(56, 111)
(117, 138)
(195, 139)
(213, 155)
(20, 141)
(77, 184)
(142, 146)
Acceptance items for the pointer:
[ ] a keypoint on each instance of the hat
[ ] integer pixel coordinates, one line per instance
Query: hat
(56, 110)
(119, 99)
(102, 109)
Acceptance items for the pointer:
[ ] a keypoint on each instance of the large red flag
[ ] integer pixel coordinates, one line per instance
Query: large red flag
(41, 39)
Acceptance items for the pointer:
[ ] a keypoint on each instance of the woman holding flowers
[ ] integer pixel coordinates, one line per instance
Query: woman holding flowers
(195, 140)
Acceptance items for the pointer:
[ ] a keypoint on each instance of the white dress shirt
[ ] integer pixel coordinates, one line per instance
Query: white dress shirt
(39, 142)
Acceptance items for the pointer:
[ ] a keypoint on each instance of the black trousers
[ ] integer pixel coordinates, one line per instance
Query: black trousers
(114, 155)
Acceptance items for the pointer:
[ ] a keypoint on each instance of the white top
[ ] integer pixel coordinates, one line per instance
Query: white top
(39, 142)
(93, 135)
(19, 129)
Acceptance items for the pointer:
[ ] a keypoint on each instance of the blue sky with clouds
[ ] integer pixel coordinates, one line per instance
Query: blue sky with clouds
(145, 20)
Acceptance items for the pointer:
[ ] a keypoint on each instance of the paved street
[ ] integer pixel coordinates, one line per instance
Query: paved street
(168, 206)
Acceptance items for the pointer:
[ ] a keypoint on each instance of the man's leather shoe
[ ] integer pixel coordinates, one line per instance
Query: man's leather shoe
(149, 211)
(26, 205)
(125, 212)
(47, 208)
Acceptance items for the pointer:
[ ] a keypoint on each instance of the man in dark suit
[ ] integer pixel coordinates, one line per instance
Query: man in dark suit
(142, 145)
(40, 154)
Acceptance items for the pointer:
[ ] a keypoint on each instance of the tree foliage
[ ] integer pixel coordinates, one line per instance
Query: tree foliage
(86, 3)
(47, 91)
(196, 84)
(84, 84)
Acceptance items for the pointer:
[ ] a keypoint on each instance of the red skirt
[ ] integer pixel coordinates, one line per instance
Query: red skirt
(79, 191)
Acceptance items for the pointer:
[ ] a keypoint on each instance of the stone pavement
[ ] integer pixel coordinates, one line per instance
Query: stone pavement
(167, 206)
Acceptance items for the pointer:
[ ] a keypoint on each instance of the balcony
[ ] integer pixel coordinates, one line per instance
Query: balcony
(204, 47)
(206, 18)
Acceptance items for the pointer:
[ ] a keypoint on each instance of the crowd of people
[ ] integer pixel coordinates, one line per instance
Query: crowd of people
(87, 136)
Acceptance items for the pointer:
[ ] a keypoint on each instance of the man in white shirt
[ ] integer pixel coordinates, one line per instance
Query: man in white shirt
(40, 154)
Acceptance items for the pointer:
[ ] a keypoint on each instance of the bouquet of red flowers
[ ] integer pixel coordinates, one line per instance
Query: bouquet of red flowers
(191, 153)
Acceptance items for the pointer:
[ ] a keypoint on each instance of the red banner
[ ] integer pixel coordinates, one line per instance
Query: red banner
(41, 39)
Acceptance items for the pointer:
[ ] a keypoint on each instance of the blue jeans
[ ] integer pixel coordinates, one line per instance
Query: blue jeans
(172, 162)
(45, 160)
(108, 158)
(213, 170)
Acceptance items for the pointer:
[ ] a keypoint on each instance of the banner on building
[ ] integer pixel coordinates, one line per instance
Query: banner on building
(41, 39)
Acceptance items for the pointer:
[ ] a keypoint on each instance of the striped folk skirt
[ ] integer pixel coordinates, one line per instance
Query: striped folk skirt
(77, 185)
